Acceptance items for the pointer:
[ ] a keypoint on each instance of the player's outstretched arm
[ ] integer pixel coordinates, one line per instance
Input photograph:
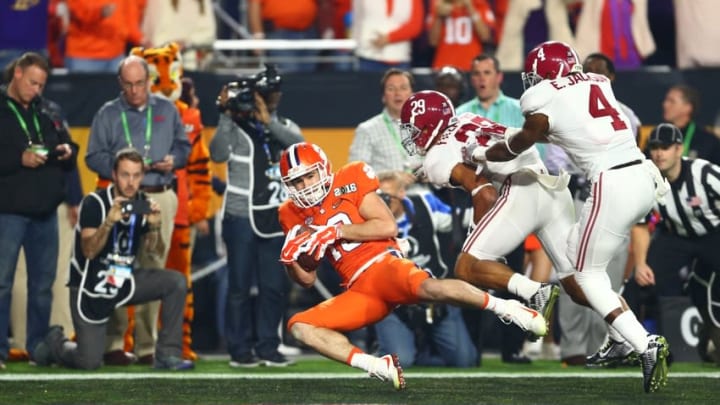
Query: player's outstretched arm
(482, 192)
(534, 131)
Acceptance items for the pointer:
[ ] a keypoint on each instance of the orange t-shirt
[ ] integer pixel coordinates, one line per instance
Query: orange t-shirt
(92, 36)
(459, 43)
(350, 185)
(296, 15)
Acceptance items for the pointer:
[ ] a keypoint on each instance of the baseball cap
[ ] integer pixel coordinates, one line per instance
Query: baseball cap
(665, 134)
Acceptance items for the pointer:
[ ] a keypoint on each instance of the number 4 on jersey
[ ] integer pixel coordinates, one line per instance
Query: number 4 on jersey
(600, 107)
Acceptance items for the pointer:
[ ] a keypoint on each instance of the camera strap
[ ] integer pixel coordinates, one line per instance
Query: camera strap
(131, 232)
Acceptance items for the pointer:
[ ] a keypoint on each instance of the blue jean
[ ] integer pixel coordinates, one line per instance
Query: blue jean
(39, 238)
(288, 64)
(253, 260)
(450, 338)
(85, 65)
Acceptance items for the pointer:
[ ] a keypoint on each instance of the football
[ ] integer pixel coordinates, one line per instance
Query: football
(305, 260)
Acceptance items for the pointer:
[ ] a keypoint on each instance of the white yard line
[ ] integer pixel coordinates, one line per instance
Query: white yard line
(315, 376)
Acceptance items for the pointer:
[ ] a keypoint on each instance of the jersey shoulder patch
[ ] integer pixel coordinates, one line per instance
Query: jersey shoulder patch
(354, 180)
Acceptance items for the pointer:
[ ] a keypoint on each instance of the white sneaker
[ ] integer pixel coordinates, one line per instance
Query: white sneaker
(289, 350)
(387, 368)
(527, 319)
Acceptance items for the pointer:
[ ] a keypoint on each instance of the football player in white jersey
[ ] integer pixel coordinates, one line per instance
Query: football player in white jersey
(529, 199)
(578, 112)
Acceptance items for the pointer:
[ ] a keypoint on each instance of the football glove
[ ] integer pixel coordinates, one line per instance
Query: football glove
(323, 237)
(296, 242)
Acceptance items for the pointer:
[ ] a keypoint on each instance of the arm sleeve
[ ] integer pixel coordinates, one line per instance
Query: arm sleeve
(91, 215)
(220, 146)
(98, 156)
(412, 27)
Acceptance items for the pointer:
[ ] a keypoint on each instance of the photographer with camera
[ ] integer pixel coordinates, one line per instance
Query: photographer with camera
(114, 224)
(423, 334)
(250, 137)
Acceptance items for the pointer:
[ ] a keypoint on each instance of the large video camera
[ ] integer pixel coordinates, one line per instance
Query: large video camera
(241, 93)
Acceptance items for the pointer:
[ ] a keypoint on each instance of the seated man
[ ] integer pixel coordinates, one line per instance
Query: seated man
(104, 275)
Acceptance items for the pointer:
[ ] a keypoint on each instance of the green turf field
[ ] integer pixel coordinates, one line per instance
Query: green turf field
(323, 381)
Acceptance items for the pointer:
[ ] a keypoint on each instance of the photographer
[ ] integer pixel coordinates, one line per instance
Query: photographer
(250, 136)
(114, 224)
(423, 334)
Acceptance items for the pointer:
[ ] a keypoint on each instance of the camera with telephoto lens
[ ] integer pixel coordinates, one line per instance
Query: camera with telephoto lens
(241, 95)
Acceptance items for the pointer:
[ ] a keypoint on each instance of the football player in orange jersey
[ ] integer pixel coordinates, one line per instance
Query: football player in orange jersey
(340, 216)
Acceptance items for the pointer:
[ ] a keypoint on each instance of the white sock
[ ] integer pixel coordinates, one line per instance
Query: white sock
(362, 361)
(632, 330)
(522, 286)
(615, 335)
(497, 305)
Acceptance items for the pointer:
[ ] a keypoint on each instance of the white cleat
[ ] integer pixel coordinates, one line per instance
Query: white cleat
(387, 368)
(527, 319)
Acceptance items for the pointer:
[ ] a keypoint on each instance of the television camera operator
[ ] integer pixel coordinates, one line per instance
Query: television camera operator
(250, 137)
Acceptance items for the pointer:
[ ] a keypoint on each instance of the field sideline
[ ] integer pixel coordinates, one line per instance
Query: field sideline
(320, 381)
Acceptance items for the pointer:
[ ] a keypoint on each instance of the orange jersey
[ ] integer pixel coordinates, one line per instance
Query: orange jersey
(350, 185)
(459, 43)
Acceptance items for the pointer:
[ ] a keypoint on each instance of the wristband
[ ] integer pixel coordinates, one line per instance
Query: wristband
(507, 145)
(478, 188)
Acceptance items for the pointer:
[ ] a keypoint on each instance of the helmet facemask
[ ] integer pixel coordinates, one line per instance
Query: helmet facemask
(312, 195)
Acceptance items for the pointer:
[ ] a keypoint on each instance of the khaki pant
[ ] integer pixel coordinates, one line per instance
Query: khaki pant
(60, 314)
(146, 315)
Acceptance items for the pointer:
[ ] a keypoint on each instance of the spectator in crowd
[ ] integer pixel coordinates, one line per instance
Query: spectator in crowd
(698, 31)
(552, 107)
(681, 105)
(98, 34)
(34, 157)
(457, 30)
(105, 273)
(384, 31)
(279, 19)
(618, 29)
(522, 24)
(251, 140)
(422, 334)
(377, 140)
(490, 102)
(21, 31)
(151, 124)
(449, 81)
(357, 231)
(191, 24)
(688, 232)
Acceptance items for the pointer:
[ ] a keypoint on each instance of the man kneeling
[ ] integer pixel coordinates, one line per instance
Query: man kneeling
(115, 224)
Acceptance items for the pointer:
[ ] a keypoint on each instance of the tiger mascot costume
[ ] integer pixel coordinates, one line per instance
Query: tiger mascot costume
(193, 182)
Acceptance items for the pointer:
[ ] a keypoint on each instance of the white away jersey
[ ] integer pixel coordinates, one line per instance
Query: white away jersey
(447, 153)
(585, 120)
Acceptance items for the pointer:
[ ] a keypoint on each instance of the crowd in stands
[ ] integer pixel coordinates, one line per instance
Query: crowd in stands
(87, 36)
(477, 39)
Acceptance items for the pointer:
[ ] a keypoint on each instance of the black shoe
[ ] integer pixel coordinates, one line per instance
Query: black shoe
(244, 361)
(275, 359)
(48, 350)
(516, 358)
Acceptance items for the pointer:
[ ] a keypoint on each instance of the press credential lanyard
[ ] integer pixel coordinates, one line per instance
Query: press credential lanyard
(148, 130)
(23, 124)
(131, 232)
(688, 137)
(391, 128)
